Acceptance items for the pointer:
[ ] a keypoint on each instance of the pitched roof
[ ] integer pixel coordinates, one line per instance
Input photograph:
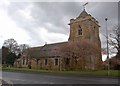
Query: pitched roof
(83, 14)
(48, 50)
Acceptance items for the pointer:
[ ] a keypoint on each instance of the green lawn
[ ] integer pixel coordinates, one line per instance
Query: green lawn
(83, 72)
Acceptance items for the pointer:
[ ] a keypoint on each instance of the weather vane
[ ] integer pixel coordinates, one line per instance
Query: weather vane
(85, 4)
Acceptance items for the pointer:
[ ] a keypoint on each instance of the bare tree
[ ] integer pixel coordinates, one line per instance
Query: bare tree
(114, 39)
(22, 47)
(11, 44)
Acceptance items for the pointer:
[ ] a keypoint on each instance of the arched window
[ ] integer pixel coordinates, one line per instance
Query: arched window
(80, 30)
(37, 61)
(67, 61)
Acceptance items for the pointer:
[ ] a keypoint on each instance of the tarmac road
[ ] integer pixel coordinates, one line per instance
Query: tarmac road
(50, 78)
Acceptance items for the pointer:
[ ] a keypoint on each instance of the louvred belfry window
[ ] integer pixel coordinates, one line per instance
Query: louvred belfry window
(79, 30)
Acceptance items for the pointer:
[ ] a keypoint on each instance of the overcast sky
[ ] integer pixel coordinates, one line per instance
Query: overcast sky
(35, 23)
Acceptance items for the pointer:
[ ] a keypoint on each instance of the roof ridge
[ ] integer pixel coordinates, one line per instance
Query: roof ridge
(83, 14)
(57, 43)
(48, 44)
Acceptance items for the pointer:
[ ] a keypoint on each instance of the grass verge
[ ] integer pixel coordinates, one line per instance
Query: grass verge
(83, 72)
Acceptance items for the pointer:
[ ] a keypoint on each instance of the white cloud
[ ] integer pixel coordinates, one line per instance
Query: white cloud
(26, 13)
(4, 3)
(104, 57)
(65, 0)
(9, 29)
(47, 28)
(43, 36)
(103, 40)
(51, 37)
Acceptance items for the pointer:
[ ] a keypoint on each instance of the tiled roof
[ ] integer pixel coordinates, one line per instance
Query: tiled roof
(48, 50)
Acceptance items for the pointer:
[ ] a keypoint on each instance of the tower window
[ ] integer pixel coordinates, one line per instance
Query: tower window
(79, 30)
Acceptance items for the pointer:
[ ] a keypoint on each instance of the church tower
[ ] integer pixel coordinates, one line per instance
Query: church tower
(86, 27)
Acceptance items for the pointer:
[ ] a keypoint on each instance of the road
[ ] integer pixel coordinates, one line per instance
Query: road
(50, 78)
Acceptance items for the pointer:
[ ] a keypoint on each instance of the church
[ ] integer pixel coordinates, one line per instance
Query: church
(50, 57)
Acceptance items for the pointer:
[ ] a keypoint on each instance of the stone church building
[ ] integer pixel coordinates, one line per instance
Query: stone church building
(49, 57)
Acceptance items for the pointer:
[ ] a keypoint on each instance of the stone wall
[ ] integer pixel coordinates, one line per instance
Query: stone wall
(41, 64)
